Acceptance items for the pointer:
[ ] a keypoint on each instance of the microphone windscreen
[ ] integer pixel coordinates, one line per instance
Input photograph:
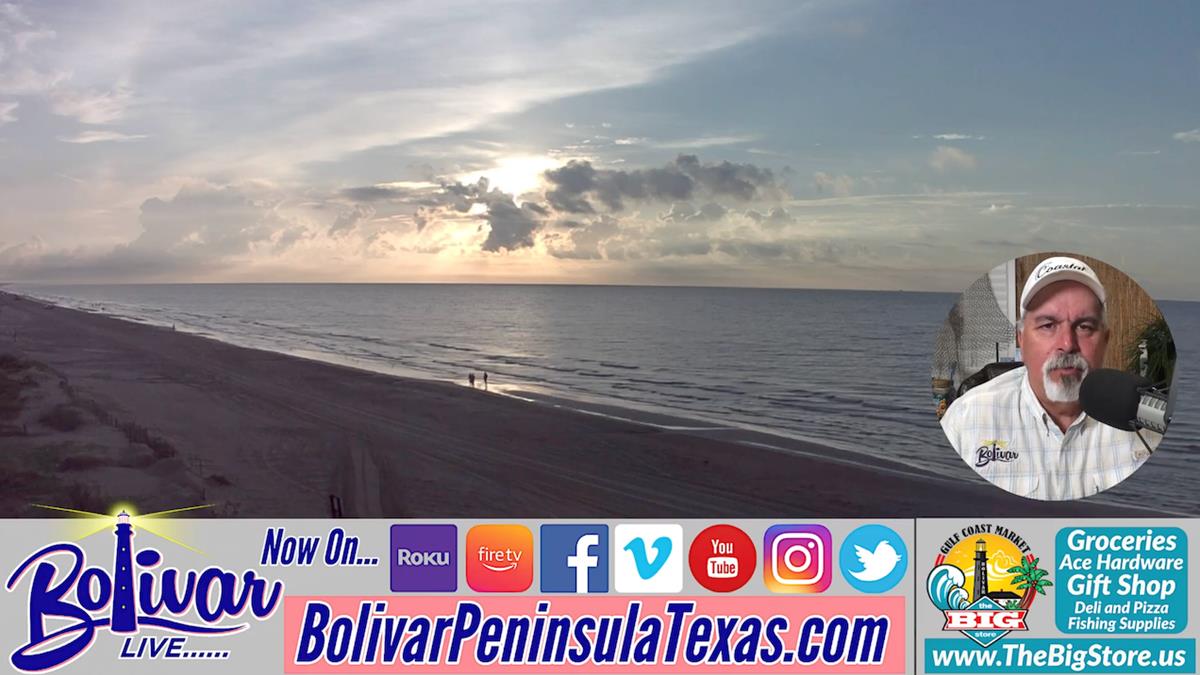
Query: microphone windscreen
(1112, 396)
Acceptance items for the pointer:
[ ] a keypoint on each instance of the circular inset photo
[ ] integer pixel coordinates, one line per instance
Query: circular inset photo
(1052, 376)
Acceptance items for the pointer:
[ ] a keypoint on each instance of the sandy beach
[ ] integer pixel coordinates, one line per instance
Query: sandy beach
(95, 410)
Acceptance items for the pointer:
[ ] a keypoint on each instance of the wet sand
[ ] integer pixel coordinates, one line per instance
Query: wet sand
(167, 420)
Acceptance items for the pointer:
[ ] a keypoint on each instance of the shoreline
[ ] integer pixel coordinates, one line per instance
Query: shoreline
(263, 433)
(628, 410)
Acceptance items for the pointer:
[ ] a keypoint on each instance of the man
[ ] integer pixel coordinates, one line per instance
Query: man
(1025, 431)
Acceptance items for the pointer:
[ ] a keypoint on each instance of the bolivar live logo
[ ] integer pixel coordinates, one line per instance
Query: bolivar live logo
(81, 595)
(995, 563)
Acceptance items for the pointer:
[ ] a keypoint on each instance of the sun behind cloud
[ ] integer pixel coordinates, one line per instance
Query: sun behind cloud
(516, 174)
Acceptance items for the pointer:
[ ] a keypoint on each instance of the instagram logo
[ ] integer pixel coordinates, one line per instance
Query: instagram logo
(797, 558)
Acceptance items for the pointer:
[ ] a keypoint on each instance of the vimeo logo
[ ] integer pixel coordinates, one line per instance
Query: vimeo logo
(574, 558)
(649, 559)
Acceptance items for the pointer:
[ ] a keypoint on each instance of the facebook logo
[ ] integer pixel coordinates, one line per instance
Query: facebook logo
(574, 558)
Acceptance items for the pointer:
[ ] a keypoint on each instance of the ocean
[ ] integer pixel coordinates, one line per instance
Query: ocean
(849, 369)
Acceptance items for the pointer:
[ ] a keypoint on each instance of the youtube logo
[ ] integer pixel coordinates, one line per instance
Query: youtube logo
(722, 558)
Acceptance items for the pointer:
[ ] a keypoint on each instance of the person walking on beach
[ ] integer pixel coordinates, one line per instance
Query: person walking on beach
(485, 380)
(471, 379)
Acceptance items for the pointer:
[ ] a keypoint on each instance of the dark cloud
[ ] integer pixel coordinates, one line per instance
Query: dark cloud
(741, 181)
(349, 219)
(374, 193)
(512, 226)
(205, 228)
(571, 182)
(776, 217)
(583, 193)
(579, 187)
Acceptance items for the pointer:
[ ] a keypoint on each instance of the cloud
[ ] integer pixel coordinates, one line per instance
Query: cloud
(374, 193)
(1192, 136)
(7, 109)
(273, 81)
(682, 212)
(945, 158)
(838, 186)
(92, 106)
(583, 240)
(14, 255)
(20, 71)
(659, 246)
(575, 215)
(776, 217)
(510, 226)
(349, 218)
(953, 136)
(204, 229)
(579, 187)
(787, 251)
(101, 137)
(630, 140)
(704, 142)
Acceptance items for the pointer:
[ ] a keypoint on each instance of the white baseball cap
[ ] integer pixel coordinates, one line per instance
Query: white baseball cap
(1060, 268)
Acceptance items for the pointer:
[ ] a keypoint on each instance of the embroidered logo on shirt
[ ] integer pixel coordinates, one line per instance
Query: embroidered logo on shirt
(994, 451)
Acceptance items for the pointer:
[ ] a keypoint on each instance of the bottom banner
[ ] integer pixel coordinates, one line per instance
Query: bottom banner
(542, 634)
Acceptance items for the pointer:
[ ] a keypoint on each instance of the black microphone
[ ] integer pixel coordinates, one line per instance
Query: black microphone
(1124, 401)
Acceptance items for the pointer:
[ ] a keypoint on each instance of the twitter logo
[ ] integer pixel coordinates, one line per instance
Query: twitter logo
(873, 558)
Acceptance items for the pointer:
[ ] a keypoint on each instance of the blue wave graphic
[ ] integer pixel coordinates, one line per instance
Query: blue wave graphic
(945, 586)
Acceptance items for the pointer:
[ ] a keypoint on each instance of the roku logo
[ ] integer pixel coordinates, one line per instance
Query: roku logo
(422, 558)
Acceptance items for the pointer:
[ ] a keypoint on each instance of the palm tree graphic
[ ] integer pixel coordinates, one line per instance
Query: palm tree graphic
(1031, 579)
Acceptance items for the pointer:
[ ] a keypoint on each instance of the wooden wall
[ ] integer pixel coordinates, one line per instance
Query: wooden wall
(1129, 307)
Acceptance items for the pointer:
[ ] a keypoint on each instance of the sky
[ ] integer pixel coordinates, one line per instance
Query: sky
(849, 144)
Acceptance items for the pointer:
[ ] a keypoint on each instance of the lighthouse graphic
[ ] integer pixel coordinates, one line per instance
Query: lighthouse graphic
(124, 617)
(981, 570)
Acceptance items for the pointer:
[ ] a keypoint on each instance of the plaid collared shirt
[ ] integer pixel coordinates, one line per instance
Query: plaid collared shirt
(1001, 430)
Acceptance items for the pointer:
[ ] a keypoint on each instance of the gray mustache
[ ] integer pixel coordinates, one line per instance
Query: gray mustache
(1066, 360)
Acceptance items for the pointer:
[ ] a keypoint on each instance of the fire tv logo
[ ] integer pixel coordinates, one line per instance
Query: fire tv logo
(499, 558)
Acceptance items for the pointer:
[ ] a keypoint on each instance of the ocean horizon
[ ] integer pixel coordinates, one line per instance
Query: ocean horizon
(843, 368)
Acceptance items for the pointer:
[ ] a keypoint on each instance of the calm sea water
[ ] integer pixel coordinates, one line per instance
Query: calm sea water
(845, 368)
